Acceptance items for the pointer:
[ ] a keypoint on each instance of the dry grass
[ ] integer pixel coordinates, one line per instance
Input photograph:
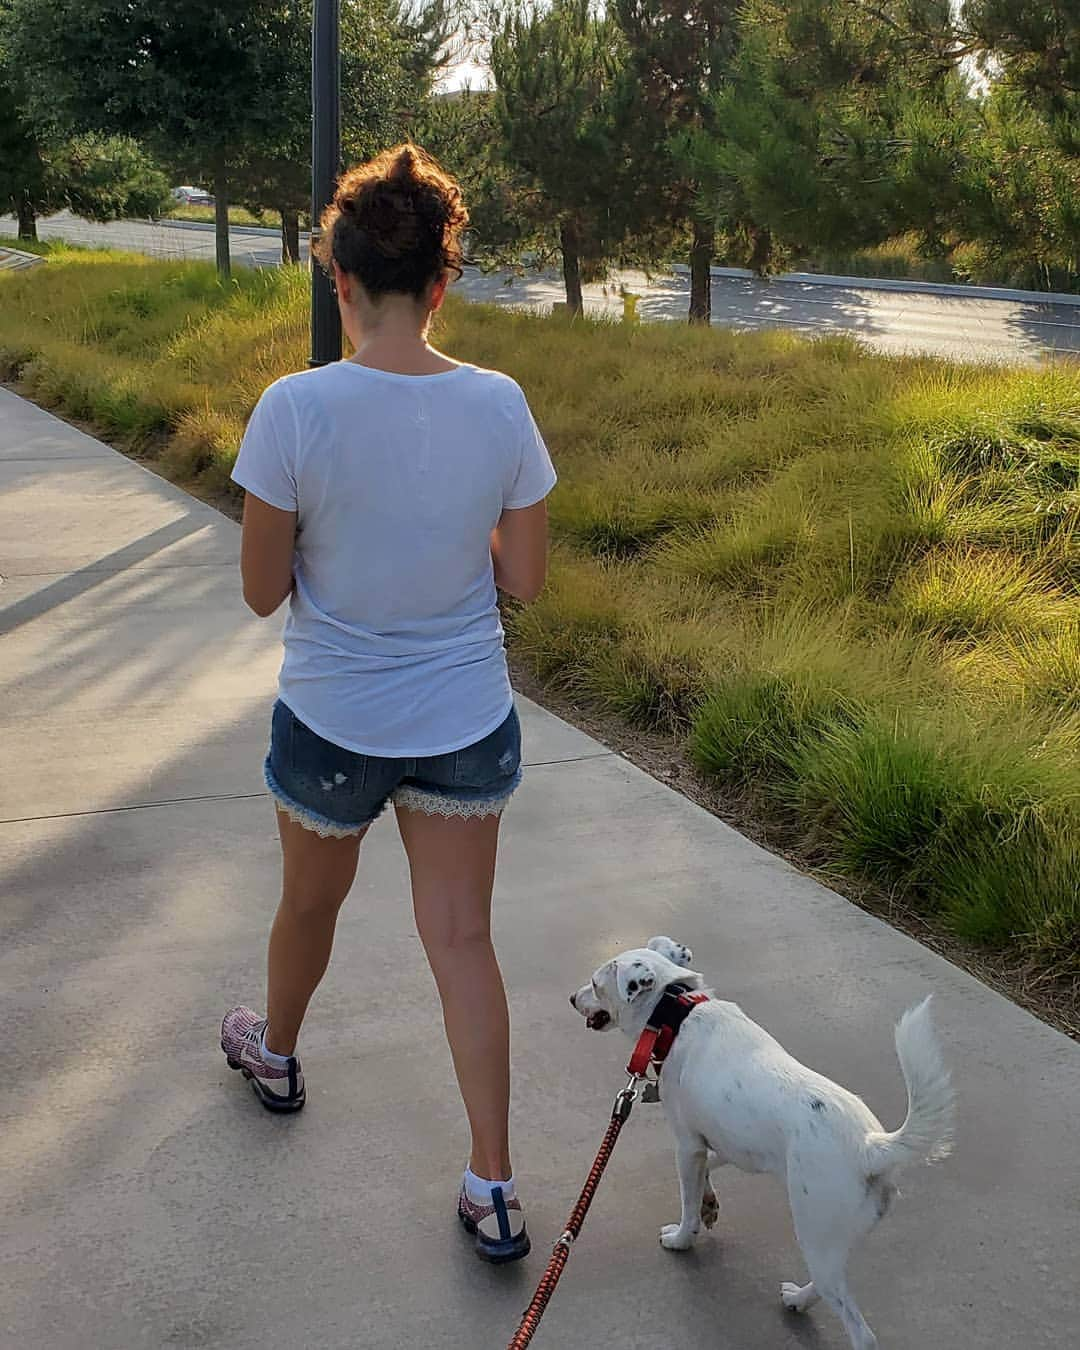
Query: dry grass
(849, 584)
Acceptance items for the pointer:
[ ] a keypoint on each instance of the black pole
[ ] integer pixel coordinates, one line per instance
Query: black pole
(325, 165)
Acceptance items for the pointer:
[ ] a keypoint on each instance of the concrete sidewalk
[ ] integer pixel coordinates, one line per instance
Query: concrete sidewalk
(149, 1202)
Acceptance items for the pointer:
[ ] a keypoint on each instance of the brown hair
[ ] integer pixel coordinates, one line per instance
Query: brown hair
(395, 223)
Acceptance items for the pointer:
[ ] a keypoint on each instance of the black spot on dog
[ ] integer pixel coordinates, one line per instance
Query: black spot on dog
(805, 1191)
(632, 987)
(881, 1193)
(817, 1104)
(738, 1084)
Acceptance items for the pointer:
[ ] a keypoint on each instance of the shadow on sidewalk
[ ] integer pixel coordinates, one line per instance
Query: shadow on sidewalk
(76, 583)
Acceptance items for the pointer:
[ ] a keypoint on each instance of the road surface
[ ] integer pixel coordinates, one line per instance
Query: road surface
(958, 327)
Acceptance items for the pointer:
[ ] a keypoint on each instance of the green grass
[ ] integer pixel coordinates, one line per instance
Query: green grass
(153, 352)
(966, 264)
(850, 583)
(897, 259)
(237, 215)
(42, 247)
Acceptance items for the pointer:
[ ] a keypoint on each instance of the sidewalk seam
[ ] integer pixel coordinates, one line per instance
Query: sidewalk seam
(234, 796)
(50, 459)
(136, 806)
(570, 759)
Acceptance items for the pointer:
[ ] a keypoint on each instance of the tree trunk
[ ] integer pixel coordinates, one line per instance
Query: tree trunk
(27, 219)
(221, 225)
(701, 256)
(290, 236)
(571, 267)
(762, 253)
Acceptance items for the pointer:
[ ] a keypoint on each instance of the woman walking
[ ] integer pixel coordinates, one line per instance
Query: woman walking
(387, 496)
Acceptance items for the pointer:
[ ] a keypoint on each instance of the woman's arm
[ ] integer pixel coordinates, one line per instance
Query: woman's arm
(266, 554)
(519, 551)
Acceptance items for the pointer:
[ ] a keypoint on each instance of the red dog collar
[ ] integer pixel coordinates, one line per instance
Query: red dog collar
(655, 1042)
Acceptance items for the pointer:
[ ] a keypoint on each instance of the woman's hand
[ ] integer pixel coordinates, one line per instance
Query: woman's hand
(266, 554)
(519, 551)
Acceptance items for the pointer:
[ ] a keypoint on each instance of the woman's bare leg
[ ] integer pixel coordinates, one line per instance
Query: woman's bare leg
(316, 876)
(452, 863)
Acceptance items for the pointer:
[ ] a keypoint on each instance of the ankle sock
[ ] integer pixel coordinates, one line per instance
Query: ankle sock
(268, 1056)
(479, 1189)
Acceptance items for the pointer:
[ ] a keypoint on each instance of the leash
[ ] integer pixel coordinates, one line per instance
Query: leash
(653, 1046)
(620, 1114)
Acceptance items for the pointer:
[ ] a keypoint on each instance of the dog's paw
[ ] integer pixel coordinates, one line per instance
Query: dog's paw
(796, 1297)
(675, 1238)
(710, 1209)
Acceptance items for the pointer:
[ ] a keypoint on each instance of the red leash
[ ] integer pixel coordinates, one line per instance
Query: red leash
(620, 1114)
(652, 1048)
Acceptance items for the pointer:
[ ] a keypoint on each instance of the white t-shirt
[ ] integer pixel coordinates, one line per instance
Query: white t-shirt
(393, 644)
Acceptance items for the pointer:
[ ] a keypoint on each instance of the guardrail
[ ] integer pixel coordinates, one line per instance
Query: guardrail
(951, 289)
(14, 260)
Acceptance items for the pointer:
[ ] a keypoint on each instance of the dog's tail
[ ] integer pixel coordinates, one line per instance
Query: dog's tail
(927, 1131)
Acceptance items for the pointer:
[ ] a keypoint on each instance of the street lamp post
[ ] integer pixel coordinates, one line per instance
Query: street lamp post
(325, 164)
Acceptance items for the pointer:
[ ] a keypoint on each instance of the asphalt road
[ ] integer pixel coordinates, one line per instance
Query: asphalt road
(958, 327)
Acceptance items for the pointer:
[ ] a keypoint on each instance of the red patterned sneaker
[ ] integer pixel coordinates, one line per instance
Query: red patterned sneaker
(280, 1087)
(499, 1227)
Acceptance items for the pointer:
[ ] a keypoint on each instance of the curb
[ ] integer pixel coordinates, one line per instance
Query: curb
(890, 284)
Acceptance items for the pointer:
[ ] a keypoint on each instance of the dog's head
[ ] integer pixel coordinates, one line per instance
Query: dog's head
(622, 992)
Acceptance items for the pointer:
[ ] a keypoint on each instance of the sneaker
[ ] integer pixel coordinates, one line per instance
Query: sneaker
(499, 1228)
(279, 1089)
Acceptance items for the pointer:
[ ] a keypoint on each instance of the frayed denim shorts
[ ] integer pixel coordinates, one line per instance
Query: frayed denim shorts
(337, 793)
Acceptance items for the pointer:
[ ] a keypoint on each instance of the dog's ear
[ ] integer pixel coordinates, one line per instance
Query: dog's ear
(675, 952)
(633, 979)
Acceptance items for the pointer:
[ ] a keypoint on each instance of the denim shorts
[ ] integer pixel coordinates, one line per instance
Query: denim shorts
(337, 793)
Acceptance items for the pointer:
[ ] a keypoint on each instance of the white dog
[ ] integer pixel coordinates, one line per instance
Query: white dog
(730, 1090)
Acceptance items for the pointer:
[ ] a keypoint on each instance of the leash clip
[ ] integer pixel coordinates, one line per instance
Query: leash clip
(624, 1102)
(565, 1242)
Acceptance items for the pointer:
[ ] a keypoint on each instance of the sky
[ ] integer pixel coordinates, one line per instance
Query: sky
(465, 73)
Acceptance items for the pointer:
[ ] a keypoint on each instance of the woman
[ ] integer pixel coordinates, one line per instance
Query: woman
(387, 496)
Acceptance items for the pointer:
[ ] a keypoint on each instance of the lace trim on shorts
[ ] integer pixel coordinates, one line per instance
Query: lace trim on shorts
(317, 826)
(452, 808)
(301, 815)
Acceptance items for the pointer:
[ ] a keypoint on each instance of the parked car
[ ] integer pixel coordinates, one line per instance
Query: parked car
(192, 196)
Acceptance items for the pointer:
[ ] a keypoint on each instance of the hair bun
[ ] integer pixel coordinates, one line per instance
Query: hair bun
(395, 223)
(392, 219)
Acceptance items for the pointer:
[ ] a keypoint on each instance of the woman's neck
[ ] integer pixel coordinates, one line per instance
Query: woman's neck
(400, 353)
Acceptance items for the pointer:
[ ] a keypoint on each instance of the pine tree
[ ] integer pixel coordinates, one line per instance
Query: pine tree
(679, 57)
(557, 79)
(827, 102)
(1030, 52)
(463, 132)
